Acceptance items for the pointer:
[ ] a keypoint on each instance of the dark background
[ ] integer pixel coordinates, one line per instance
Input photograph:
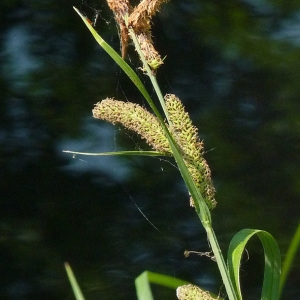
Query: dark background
(236, 67)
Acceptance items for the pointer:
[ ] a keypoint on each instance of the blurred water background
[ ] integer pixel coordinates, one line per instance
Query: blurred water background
(236, 67)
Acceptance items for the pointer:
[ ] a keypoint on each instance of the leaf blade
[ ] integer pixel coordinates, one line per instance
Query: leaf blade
(74, 284)
(270, 287)
(137, 153)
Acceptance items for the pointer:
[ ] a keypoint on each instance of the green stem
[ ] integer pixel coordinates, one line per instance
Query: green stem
(149, 72)
(200, 205)
(221, 263)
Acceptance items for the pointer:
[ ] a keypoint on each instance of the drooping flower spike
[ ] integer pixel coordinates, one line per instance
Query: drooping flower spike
(138, 19)
(134, 117)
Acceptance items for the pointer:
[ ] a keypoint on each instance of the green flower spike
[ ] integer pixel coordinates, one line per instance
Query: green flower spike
(186, 136)
(192, 292)
(132, 116)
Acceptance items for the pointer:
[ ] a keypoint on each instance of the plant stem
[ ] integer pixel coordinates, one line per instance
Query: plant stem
(200, 205)
(149, 72)
(221, 263)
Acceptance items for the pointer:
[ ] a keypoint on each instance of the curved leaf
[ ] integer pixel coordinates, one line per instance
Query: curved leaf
(270, 289)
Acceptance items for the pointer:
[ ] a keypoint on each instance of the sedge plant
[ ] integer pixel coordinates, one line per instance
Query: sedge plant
(172, 133)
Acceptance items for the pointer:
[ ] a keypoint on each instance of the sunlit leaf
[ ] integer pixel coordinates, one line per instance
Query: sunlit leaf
(138, 153)
(289, 257)
(75, 286)
(270, 289)
(143, 281)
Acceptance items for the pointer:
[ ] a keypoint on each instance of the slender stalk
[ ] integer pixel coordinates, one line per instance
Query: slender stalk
(149, 72)
(221, 263)
(200, 205)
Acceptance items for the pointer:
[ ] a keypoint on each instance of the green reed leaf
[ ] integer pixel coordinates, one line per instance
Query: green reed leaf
(289, 257)
(270, 288)
(120, 61)
(137, 153)
(143, 281)
(75, 286)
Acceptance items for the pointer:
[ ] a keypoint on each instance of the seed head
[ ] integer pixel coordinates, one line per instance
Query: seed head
(132, 116)
(192, 148)
(192, 292)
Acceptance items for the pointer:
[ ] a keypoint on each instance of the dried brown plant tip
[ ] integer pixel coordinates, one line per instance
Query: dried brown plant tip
(140, 19)
(121, 8)
(140, 22)
(192, 148)
(132, 116)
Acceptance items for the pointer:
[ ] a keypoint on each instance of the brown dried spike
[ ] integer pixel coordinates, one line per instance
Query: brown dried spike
(141, 16)
(151, 55)
(121, 8)
(124, 39)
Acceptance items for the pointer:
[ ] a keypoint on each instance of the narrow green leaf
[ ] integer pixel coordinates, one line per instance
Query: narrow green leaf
(120, 61)
(75, 287)
(136, 153)
(165, 280)
(143, 288)
(289, 258)
(270, 288)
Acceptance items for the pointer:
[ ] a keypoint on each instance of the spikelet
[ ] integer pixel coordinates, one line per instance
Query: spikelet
(192, 292)
(140, 22)
(132, 116)
(152, 57)
(140, 19)
(186, 135)
(121, 8)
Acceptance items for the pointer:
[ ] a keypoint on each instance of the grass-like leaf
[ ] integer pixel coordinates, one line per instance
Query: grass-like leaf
(290, 256)
(120, 61)
(138, 153)
(270, 289)
(75, 287)
(143, 281)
